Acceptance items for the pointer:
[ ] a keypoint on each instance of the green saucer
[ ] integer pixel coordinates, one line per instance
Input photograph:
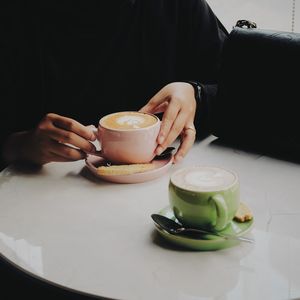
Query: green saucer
(208, 242)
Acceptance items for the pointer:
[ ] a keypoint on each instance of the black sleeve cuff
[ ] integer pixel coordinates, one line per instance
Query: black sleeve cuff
(204, 95)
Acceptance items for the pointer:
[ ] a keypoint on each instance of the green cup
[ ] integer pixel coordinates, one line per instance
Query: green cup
(204, 197)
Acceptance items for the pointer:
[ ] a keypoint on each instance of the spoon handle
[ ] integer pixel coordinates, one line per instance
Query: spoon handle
(238, 238)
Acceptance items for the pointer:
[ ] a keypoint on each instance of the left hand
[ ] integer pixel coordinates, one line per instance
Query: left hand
(177, 101)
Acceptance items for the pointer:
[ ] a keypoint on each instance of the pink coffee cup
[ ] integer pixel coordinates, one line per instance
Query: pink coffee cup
(128, 142)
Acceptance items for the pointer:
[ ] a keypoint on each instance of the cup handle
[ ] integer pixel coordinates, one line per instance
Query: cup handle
(95, 131)
(222, 212)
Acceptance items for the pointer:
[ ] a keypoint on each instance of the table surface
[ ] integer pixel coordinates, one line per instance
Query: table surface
(66, 227)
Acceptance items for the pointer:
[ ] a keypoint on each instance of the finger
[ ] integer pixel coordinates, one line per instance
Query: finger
(160, 108)
(69, 124)
(68, 137)
(154, 102)
(66, 152)
(173, 133)
(188, 139)
(169, 117)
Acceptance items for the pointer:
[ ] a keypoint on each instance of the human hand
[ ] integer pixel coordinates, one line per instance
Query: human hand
(56, 138)
(178, 104)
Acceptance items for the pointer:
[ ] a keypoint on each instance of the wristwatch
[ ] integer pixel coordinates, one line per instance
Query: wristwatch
(197, 88)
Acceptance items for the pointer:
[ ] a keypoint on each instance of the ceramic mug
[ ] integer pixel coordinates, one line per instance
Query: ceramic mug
(204, 197)
(128, 137)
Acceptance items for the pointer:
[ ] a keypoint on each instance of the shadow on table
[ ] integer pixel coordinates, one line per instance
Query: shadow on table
(290, 153)
(161, 242)
(88, 175)
(18, 285)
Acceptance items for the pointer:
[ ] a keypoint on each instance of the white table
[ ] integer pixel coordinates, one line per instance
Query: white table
(66, 228)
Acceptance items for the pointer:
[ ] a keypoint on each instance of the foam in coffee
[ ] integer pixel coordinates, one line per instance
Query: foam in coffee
(128, 120)
(203, 178)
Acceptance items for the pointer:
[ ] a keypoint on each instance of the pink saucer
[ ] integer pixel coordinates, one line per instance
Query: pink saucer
(161, 167)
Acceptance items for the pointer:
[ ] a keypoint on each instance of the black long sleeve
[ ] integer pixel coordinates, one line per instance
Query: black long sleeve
(84, 59)
(201, 43)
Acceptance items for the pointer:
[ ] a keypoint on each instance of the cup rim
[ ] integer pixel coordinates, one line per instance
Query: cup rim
(236, 179)
(129, 130)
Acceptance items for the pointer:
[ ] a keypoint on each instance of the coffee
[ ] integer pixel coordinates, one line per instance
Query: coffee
(203, 179)
(128, 120)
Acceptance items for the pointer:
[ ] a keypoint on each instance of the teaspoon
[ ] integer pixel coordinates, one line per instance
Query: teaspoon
(173, 227)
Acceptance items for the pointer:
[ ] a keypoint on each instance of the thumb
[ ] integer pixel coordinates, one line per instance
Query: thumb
(158, 109)
(145, 109)
(155, 103)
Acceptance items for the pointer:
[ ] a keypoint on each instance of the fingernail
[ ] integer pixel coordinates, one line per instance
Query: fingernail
(159, 150)
(161, 139)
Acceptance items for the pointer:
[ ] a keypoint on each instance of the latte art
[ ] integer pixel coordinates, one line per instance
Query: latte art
(132, 121)
(128, 120)
(203, 178)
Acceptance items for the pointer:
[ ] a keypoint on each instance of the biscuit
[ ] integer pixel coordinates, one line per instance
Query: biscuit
(124, 169)
(243, 213)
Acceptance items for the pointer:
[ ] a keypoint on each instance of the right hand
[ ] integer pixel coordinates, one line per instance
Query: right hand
(55, 139)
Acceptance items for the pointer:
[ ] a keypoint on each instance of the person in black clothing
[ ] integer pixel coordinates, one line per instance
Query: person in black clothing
(67, 63)
(64, 64)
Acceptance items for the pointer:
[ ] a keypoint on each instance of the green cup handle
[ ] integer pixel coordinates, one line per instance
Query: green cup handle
(222, 212)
